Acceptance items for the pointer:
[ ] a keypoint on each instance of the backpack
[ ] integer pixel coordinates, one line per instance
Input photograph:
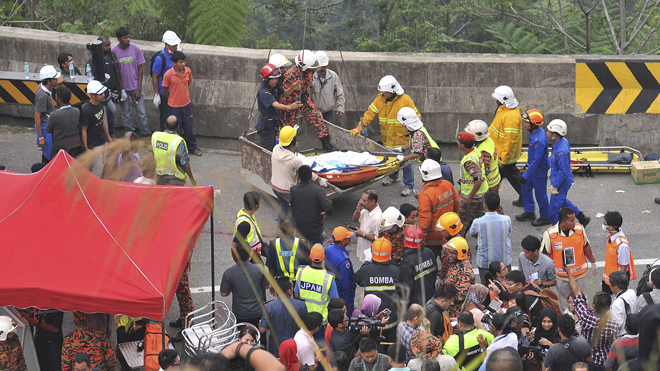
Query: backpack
(643, 283)
(153, 344)
(153, 59)
(548, 299)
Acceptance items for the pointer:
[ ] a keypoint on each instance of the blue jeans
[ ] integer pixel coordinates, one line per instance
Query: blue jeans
(46, 149)
(285, 205)
(139, 109)
(536, 186)
(110, 114)
(558, 201)
(408, 175)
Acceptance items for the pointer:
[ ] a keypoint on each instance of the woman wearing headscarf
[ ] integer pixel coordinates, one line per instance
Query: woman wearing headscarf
(370, 305)
(475, 298)
(546, 334)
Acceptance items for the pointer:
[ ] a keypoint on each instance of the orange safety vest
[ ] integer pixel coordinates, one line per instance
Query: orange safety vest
(560, 243)
(612, 259)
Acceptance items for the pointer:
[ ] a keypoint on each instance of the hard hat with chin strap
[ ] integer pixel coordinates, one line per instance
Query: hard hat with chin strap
(389, 84)
(391, 217)
(322, 57)
(460, 245)
(270, 71)
(504, 95)
(409, 118)
(431, 170)
(279, 61)
(306, 60)
(478, 128)
(6, 326)
(558, 126)
(449, 222)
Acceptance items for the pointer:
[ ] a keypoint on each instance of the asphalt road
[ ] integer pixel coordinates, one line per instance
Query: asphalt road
(594, 195)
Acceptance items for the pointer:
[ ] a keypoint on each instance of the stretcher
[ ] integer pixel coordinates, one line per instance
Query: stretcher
(590, 160)
(256, 167)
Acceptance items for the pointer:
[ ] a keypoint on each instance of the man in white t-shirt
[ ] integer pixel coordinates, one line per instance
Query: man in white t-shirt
(305, 340)
(624, 299)
(369, 214)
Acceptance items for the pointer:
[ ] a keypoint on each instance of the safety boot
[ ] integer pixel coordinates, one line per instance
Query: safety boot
(583, 219)
(518, 202)
(327, 146)
(541, 222)
(524, 217)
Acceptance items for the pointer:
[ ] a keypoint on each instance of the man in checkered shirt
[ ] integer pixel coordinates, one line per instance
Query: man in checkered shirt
(595, 322)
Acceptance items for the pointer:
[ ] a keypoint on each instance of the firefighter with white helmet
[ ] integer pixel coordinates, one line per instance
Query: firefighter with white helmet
(391, 228)
(486, 146)
(437, 197)
(561, 174)
(506, 132)
(327, 90)
(306, 64)
(537, 171)
(11, 351)
(280, 61)
(386, 107)
(43, 106)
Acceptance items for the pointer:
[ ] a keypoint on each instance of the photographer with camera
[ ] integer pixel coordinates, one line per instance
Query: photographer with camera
(342, 340)
(569, 350)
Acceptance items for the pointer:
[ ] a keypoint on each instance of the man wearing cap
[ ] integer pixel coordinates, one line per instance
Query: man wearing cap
(162, 62)
(437, 198)
(284, 165)
(339, 263)
(392, 230)
(327, 91)
(268, 97)
(472, 181)
(94, 128)
(418, 267)
(380, 277)
(43, 106)
(315, 285)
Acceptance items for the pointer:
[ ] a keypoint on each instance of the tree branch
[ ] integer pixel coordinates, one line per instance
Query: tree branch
(636, 30)
(609, 22)
(461, 28)
(645, 40)
(652, 51)
(14, 11)
(559, 28)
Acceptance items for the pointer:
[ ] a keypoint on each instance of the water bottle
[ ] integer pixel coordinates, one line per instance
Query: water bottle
(88, 72)
(72, 71)
(26, 69)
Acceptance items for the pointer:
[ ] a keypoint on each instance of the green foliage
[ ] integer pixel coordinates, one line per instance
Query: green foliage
(218, 22)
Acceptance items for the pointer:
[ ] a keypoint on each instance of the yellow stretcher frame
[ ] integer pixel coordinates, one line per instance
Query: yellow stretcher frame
(595, 159)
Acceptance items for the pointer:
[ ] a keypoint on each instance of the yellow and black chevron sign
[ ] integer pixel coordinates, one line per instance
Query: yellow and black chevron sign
(617, 87)
(19, 91)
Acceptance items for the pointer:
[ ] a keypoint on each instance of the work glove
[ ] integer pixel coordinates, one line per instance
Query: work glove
(397, 149)
(356, 131)
(124, 96)
(399, 158)
(553, 190)
(156, 100)
(323, 182)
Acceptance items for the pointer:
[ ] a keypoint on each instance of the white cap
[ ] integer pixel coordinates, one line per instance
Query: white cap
(95, 87)
(170, 38)
(48, 72)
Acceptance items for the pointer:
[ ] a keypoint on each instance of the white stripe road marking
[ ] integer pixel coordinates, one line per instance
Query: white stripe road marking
(638, 263)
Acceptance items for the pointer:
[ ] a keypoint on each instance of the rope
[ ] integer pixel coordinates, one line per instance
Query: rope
(272, 43)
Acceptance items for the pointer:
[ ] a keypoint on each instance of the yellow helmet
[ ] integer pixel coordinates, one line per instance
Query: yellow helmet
(460, 245)
(450, 222)
(287, 134)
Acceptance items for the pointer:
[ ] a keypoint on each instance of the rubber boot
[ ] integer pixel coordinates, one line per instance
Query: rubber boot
(327, 146)
(524, 217)
(583, 219)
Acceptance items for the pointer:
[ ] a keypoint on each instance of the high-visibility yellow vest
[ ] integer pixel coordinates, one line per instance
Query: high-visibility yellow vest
(164, 146)
(314, 288)
(254, 237)
(467, 182)
(431, 141)
(289, 266)
(492, 171)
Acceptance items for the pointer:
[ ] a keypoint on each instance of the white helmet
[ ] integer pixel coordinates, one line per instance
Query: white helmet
(391, 217)
(408, 118)
(504, 95)
(48, 72)
(388, 84)
(6, 326)
(322, 58)
(95, 87)
(430, 170)
(171, 38)
(306, 60)
(478, 128)
(279, 61)
(558, 126)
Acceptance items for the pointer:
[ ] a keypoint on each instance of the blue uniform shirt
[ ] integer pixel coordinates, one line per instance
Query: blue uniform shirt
(338, 261)
(158, 66)
(537, 155)
(560, 163)
(332, 293)
(266, 96)
(283, 324)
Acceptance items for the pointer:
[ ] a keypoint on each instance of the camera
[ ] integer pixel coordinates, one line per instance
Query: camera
(356, 326)
(537, 353)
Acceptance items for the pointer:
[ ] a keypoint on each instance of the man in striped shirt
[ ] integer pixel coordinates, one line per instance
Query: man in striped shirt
(492, 232)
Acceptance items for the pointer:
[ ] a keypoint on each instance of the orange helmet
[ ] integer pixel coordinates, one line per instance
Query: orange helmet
(381, 249)
(533, 116)
(460, 245)
(413, 237)
(450, 222)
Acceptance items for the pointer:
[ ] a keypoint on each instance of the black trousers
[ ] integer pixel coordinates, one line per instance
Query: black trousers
(164, 112)
(512, 174)
(48, 346)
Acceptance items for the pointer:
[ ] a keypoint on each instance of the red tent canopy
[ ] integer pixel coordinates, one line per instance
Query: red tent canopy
(72, 241)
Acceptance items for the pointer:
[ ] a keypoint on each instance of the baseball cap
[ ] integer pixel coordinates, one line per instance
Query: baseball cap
(465, 137)
(341, 233)
(317, 254)
(516, 314)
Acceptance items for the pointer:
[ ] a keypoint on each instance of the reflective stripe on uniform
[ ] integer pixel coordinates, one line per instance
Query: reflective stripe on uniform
(164, 146)
(290, 273)
(380, 288)
(425, 272)
(444, 204)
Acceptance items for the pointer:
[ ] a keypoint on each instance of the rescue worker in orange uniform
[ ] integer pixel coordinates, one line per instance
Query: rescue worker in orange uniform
(618, 256)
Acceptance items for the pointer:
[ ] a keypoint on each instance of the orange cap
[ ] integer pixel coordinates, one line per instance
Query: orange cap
(317, 254)
(381, 249)
(341, 233)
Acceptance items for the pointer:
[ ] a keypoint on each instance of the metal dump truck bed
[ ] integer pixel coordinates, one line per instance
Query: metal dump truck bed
(255, 160)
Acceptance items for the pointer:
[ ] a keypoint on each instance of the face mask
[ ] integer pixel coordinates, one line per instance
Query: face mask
(604, 227)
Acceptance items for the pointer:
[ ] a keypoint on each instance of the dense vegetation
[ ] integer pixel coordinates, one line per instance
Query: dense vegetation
(485, 26)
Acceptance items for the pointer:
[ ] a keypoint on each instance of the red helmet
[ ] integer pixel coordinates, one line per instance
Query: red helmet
(270, 71)
(413, 237)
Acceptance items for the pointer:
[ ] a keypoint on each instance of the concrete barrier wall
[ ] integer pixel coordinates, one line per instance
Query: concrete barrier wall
(449, 89)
